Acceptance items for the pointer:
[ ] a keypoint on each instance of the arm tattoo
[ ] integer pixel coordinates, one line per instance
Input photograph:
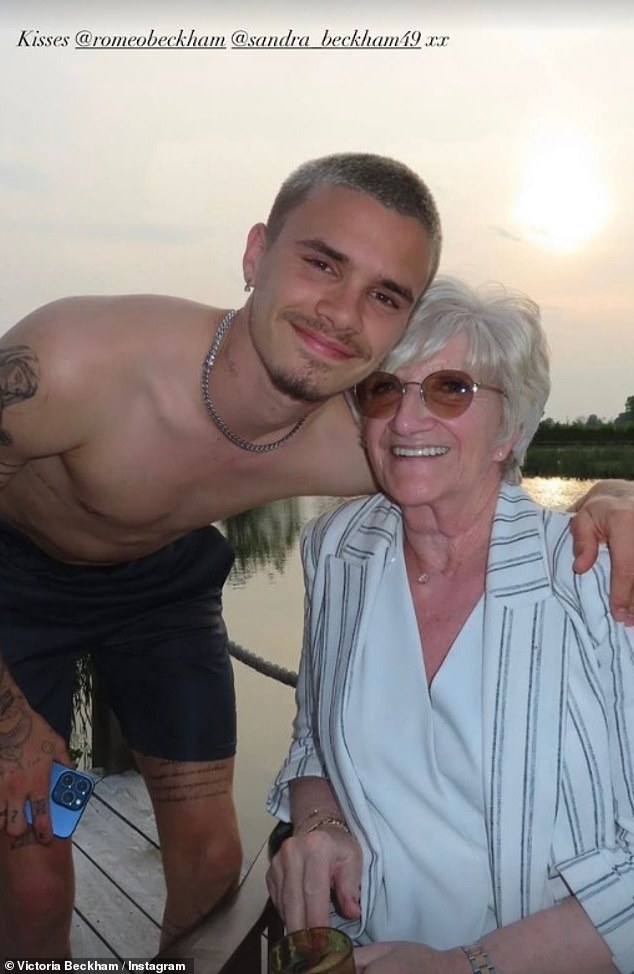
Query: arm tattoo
(15, 726)
(19, 375)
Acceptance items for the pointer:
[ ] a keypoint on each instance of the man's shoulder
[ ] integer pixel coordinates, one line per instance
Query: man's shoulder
(67, 313)
(82, 332)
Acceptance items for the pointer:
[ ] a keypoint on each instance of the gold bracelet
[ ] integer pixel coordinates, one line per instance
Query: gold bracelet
(324, 812)
(480, 961)
(316, 811)
(328, 820)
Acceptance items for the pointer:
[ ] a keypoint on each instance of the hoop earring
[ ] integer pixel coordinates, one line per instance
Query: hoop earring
(248, 286)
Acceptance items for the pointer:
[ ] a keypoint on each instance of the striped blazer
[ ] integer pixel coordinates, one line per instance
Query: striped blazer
(557, 709)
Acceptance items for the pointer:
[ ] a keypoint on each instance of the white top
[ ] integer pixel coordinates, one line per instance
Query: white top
(557, 720)
(423, 764)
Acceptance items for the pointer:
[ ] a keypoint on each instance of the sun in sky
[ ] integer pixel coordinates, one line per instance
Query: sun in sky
(563, 201)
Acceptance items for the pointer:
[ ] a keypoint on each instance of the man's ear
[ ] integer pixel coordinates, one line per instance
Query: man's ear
(256, 245)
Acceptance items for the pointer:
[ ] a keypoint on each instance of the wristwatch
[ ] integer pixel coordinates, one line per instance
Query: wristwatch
(479, 959)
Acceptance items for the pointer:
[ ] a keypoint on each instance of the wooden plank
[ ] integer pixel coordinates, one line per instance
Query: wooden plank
(124, 855)
(84, 941)
(126, 794)
(115, 917)
(110, 854)
(120, 889)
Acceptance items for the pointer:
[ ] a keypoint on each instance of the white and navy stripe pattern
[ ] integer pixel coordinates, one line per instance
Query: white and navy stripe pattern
(557, 712)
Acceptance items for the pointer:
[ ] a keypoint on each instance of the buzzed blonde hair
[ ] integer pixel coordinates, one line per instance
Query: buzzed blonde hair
(388, 181)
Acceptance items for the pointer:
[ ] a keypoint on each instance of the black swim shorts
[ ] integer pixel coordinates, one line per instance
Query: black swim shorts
(154, 629)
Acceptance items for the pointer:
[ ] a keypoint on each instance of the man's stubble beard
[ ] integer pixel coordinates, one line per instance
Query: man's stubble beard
(305, 383)
(302, 386)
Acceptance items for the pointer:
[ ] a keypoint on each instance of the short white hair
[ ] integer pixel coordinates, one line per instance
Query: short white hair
(506, 347)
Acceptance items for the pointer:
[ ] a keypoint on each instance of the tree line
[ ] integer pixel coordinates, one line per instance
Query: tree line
(588, 447)
(589, 429)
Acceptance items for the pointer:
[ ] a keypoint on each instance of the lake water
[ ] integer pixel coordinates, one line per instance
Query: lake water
(263, 603)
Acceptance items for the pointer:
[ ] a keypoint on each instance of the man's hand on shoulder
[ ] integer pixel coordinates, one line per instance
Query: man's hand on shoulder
(606, 514)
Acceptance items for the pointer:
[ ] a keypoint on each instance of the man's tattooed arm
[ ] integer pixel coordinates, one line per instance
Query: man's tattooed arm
(19, 378)
(15, 718)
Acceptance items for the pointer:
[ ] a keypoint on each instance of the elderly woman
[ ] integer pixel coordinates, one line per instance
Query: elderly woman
(461, 777)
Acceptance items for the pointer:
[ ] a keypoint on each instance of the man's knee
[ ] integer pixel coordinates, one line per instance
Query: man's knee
(43, 894)
(224, 857)
(196, 820)
(37, 895)
(213, 853)
(201, 871)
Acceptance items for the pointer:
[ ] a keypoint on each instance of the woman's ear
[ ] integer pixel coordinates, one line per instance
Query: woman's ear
(503, 450)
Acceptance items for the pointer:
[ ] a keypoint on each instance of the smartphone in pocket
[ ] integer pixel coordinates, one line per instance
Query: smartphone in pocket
(68, 795)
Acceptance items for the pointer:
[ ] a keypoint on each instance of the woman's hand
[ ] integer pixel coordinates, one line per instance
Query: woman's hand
(311, 869)
(400, 957)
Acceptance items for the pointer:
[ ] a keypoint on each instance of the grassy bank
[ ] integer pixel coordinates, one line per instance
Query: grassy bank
(587, 461)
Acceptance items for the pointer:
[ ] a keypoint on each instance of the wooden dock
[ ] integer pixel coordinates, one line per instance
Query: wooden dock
(120, 890)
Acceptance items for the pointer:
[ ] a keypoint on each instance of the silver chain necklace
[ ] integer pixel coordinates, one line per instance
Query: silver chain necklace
(208, 365)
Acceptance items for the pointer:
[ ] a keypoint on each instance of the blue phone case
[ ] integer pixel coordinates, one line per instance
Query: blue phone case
(69, 792)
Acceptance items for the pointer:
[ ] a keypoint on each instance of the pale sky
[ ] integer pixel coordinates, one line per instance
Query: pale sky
(142, 170)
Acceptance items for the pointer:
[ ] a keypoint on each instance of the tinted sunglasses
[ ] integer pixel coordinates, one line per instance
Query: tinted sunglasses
(447, 393)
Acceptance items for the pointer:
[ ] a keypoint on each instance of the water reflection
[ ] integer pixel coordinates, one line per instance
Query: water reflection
(559, 493)
(263, 537)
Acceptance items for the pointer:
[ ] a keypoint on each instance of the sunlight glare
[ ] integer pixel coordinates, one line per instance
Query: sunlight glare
(559, 493)
(564, 201)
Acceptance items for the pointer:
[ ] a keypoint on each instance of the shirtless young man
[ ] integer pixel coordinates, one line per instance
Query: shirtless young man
(113, 463)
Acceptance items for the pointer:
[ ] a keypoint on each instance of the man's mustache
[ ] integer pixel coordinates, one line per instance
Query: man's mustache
(348, 340)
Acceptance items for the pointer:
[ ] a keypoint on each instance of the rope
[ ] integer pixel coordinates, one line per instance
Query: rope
(263, 665)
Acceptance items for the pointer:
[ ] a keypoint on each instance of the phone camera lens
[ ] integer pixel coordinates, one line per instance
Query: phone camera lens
(67, 780)
(82, 786)
(68, 798)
